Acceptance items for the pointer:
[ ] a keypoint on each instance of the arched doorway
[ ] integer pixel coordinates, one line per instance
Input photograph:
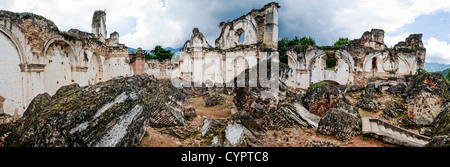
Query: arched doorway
(240, 64)
(95, 71)
(60, 59)
(11, 81)
(374, 64)
(337, 70)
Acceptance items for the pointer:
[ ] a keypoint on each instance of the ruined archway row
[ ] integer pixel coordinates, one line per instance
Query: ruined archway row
(40, 58)
(242, 44)
(365, 60)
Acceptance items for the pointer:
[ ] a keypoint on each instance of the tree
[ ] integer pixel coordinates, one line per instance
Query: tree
(299, 44)
(447, 76)
(342, 42)
(306, 41)
(331, 62)
(159, 53)
(282, 49)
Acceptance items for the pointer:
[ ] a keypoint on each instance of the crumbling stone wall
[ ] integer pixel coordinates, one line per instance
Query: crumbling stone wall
(39, 58)
(137, 62)
(242, 43)
(99, 25)
(364, 60)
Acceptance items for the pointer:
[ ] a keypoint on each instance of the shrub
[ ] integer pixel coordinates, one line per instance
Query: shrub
(331, 62)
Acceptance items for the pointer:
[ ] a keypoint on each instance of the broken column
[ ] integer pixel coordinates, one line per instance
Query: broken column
(99, 26)
(138, 63)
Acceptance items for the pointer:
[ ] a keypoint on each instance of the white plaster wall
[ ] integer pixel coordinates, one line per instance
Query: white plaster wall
(151, 71)
(198, 72)
(117, 66)
(403, 68)
(409, 62)
(11, 85)
(249, 29)
(213, 68)
(367, 66)
(58, 70)
(94, 72)
(339, 74)
(233, 69)
(303, 81)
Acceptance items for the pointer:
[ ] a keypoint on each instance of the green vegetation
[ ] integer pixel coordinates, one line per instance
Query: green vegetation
(299, 44)
(435, 67)
(342, 42)
(447, 76)
(159, 53)
(331, 62)
(315, 85)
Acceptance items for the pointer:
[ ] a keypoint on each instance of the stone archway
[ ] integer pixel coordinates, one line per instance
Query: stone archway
(341, 73)
(245, 32)
(240, 64)
(11, 76)
(95, 71)
(60, 59)
(212, 65)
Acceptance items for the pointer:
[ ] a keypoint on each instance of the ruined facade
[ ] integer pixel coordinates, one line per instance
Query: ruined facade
(160, 70)
(364, 60)
(137, 62)
(37, 57)
(242, 43)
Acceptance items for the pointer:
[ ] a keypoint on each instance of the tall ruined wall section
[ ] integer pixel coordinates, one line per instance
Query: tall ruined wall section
(242, 43)
(37, 57)
(260, 28)
(364, 60)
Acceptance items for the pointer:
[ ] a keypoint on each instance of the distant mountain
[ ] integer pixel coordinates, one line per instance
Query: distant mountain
(148, 51)
(132, 50)
(435, 67)
(444, 72)
(174, 50)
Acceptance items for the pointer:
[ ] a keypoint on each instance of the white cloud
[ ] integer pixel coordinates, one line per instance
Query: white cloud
(140, 23)
(328, 20)
(146, 23)
(437, 51)
(392, 41)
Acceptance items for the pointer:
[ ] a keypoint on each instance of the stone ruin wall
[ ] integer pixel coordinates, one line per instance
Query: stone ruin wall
(242, 43)
(37, 58)
(40, 58)
(365, 60)
(160, 70)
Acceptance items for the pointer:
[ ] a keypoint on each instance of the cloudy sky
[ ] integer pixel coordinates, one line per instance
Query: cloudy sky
(146, 23)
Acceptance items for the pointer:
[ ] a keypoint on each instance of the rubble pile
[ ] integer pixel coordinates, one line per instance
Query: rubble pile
(425, 97)
(213, 100)
(321, 97)
(367, 100)
(113, 113)
(341, 121)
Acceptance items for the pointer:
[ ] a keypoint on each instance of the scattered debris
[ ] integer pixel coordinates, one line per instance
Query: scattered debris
(392, 134)
(320, 144)
(341, 121)
(76, 116)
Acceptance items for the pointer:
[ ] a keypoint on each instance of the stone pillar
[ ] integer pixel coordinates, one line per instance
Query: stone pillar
(271, 27)
(139, 63)
(99, 26)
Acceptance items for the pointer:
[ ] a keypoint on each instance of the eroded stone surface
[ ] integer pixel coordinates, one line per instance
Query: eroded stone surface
(341, 121)
(78, 116)
(362, 61)
(425, 97)
(321, 97)
(36, 51)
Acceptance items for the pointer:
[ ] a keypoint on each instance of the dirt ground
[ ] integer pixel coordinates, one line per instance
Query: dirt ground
(298, 137)
(219, 111)
(290, 137)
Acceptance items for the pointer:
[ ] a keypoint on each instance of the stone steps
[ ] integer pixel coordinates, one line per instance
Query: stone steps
(392, 134)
